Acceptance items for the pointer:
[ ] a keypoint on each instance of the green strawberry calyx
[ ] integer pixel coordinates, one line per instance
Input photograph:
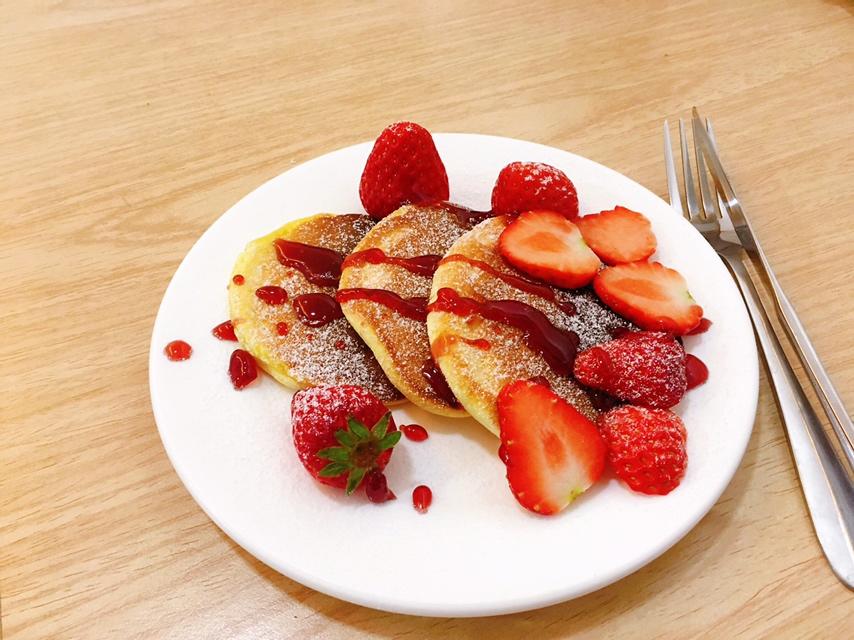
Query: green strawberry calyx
(359, 450)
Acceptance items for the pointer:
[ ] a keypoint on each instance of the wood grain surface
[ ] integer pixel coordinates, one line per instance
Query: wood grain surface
(129, 127)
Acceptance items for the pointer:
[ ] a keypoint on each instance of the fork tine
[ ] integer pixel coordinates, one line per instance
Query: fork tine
(690, 195)
(723, 209)
(670, 169)
(702, 177)
(722, 183)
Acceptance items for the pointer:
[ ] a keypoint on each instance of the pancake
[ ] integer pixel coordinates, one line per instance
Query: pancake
(479, 355)
(383, 293)
(305, 356)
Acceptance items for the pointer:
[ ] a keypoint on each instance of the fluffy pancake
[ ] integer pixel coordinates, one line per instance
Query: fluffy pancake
(305, 356)
(382, 262)
(478, 356)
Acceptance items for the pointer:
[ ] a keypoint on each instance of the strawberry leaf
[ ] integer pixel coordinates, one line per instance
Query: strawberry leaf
(345, 438)
(381, 427)
(336, 454)
(332, 470)
(355, 478)
(358, 429)
(389, 441)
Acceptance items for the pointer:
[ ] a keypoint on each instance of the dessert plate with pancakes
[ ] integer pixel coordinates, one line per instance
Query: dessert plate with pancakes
(476, 551)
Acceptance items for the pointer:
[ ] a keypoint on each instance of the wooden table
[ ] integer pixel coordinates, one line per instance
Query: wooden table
(129, 127)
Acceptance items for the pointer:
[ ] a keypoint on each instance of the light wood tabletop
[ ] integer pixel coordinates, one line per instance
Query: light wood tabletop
(129, 127)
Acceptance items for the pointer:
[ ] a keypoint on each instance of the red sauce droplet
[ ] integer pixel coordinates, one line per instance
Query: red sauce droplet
(523, 284)
(704, 325)
(422, 498)
(317, 309)
(309, 337)
(272, 295)
(340, 344)
(178, 350)
(441, 345)
(557, 346)
(434, 377)
(319, 266)
(415, 308)
(282, 328)
(238, 279)
(619, 332)
(696, 371)
(376, 487)
(224, 331)
(415, 432)
(242, 368)
(420, 265)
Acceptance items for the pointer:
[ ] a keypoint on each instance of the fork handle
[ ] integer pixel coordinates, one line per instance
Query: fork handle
(827, 487)
(826, 392)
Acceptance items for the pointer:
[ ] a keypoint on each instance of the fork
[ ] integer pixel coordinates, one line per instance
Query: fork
(827, 487)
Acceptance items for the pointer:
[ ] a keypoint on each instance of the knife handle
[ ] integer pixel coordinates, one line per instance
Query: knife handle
(827, 487)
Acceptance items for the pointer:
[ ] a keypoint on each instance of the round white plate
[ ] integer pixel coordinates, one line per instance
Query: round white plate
(476, 552)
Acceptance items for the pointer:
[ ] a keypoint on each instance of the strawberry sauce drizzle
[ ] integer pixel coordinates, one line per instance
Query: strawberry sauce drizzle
(436, 379)
(178, 350)
(557, 346)
(441, 345)
(242, 368)
(518, 282)
(696, 371)
(272, 295)
(224, 331)
(317, 309)
(415, 308)
(319, 266)
(420, 265)
(465, 217)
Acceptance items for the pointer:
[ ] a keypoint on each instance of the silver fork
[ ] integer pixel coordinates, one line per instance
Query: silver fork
(827, 486)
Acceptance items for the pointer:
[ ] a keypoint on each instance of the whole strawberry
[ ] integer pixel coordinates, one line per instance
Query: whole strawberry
(641, 367)
(342, 434)
(403, 167)
(525, 186)
(646, 447)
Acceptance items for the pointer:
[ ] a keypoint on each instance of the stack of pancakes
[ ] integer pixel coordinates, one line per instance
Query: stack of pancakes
(398, 354)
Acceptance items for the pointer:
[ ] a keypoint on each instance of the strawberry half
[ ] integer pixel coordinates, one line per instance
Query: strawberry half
(552, 452)
(650, 295)
(618, 236)
(522, 186)
(640, 367)
(646, 448)
(403, 167)
(547, 246)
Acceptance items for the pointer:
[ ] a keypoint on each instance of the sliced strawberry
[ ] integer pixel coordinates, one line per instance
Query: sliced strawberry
(552, 452)
(618, 236)
(547, 246)
(650, 295)
(640, 367)
(403, 167)
(522, 186)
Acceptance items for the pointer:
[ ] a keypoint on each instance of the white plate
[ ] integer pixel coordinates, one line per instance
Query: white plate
(476, 552)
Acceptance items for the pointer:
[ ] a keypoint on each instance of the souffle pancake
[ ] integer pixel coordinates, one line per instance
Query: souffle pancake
(489, 325)
(282, 305)
(383, 292)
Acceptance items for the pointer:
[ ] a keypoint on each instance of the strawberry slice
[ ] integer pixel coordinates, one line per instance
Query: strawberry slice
(650, 295)
(618, 236)
(547, 246)
(552, 452)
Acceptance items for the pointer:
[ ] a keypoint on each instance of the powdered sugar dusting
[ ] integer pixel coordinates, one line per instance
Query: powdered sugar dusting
(328, 355)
